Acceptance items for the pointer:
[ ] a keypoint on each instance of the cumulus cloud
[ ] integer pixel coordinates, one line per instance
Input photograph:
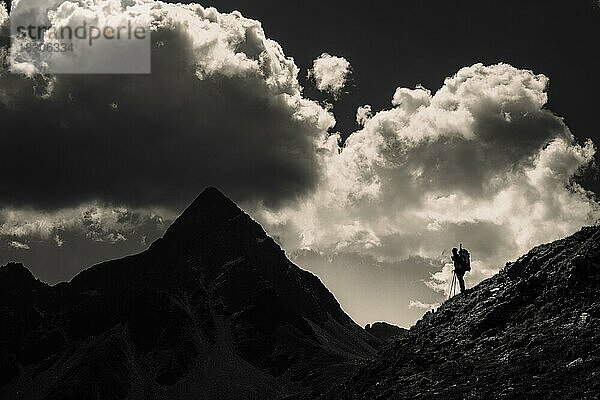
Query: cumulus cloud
(96, 222)
(363, 113)
(19, 245)
(222, 106)
(330, 73)
(480, 162)
(61, 243)
(422, 306)
(411, 99)
(3, 13)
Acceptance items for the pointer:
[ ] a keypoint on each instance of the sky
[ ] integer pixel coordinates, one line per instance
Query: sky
(367, 139)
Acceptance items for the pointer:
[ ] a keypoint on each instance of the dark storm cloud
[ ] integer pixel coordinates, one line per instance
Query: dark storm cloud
(222, 106)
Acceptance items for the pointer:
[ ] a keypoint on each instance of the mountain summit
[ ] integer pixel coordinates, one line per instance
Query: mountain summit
(210, 209)
(213, 310)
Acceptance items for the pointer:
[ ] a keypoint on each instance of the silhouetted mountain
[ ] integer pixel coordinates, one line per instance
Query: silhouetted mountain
(213, 310)
(530, 332)
(384, 331)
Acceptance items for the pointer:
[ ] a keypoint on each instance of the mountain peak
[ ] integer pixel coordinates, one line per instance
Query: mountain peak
(15, 274)
(210, 209)
(15, 279)
(216, 292)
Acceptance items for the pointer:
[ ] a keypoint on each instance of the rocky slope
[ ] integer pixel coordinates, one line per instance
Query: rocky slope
(213, 310)
(530, 332)
(385, 331)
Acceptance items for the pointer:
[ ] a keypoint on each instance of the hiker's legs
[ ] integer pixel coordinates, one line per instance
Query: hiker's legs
(461, 282)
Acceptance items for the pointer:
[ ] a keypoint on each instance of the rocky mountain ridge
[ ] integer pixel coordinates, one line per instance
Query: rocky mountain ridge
(212, 310)
(385, 331)
(530, 332)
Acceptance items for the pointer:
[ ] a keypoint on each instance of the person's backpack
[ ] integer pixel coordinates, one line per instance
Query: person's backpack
(466, 258)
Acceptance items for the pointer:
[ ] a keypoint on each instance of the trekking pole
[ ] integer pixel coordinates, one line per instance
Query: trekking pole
(455, 283)
(452, 285)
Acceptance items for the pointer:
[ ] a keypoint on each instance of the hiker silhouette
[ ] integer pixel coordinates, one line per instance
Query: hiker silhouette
(462, 264)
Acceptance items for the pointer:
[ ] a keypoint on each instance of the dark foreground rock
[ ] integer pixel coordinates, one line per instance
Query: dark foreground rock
(214, 310)
(385, 331)
(530, 332)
